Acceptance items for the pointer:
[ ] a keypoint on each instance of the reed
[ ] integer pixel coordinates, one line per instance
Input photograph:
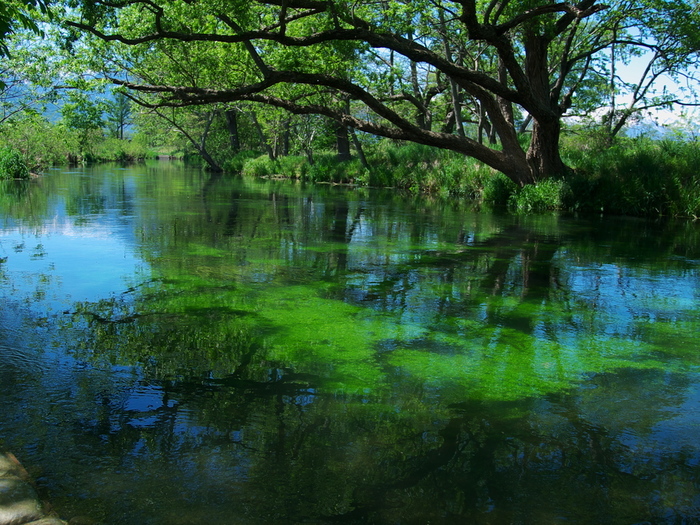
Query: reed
(641, 177)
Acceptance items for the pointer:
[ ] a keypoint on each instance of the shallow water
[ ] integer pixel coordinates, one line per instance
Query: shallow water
(181, 349)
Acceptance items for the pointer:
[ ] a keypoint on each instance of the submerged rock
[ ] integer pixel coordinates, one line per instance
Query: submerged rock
(19, 502)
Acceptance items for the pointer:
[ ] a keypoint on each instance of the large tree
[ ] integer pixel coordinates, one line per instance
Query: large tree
(386, 67)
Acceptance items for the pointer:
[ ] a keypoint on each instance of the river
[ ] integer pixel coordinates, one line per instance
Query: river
(178, 348)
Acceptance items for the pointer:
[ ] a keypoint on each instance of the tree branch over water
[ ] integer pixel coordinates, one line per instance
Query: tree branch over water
(506, 62)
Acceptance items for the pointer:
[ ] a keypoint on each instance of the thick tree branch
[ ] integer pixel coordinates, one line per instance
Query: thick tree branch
(404, 46)
(400, 130)
(572, 13)
(464, 145)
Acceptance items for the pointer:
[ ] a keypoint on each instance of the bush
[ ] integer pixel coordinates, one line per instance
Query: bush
(122, 150)
(497, 190)
(639, 176)
(327, 168)
(547, 195)
(43, 144)
(291, 166)
(262, 166)
(426, 169)
(12, 165)
(236, 163)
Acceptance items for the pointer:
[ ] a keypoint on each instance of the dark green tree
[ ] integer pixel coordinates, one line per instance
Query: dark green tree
(505, 60)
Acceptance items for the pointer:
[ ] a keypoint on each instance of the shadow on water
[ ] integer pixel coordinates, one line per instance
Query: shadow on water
(262, 352)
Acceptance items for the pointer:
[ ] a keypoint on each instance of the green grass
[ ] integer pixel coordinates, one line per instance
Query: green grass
(640, 177)
(112, 149)
(548, 195)
(410, 167)
(637, 177)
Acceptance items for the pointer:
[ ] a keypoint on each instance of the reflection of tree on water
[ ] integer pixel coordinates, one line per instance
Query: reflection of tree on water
(263, 421)
(303, 455)
(308, 454)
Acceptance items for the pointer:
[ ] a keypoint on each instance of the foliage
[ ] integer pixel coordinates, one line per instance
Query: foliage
(548, 195)
(12, 165)
(327, 168)
(640, 177)
(236, 163)
(290, 166)
(16, 14)
(44, 144)
(262, 166)
(460, 77)
(118, 115)
(114, 149)
(400, 165)
(31, 77)
(82, 114)
(412, 167)
(497, 191)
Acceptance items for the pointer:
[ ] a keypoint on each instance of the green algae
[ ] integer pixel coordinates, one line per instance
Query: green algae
(469, 304)
(316, 356)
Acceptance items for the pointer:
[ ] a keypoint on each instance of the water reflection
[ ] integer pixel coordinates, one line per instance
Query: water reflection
(243, 352)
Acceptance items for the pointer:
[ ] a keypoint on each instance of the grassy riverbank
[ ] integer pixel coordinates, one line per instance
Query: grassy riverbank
(638, 177)
(43, 144)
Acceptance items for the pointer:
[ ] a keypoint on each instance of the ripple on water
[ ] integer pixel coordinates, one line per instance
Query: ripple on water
(21, 358)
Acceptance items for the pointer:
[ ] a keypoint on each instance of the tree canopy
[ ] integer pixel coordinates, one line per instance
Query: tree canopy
(445, 74)
(16, 14)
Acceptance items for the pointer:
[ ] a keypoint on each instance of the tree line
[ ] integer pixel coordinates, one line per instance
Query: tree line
(495, 80)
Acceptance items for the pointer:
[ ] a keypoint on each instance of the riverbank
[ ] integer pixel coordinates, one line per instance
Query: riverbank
(19, 502)
(638, 177)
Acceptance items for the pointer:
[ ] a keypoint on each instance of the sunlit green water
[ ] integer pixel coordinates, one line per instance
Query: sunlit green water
(180, 349)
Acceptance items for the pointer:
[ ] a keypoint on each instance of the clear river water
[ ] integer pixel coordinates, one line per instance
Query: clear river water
(178, 348)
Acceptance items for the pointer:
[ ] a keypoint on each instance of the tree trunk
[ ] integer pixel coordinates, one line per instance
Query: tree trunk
(360, 150)
(286, 126)
(448, 125)
(543, 155)
(232, 125)
(309, 155)
(342, 142)
(202, 146)
(261, 137)
(519, 170)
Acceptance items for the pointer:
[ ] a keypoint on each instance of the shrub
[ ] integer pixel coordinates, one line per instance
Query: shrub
(236, 163)
(426, 169)
(547, 195)
(122, 150)
(262, 166)
(291, 166)
(639, 176)
(12, 165)
(327, 168)
(497, 190)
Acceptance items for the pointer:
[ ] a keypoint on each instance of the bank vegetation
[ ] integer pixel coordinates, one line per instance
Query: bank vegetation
(529, 106)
